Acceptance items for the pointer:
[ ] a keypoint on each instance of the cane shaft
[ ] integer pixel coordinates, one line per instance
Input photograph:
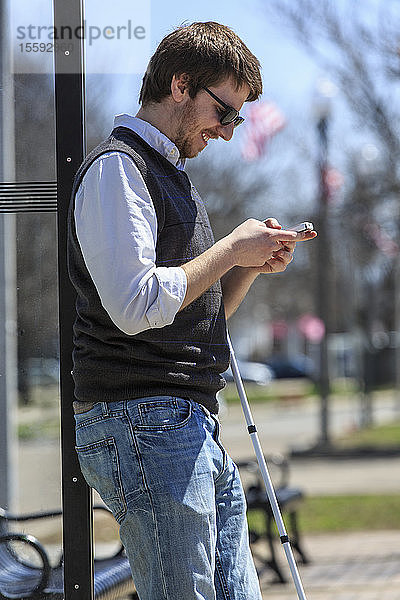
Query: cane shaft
(252, 429)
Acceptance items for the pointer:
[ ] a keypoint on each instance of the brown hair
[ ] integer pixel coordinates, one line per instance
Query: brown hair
(209, 53)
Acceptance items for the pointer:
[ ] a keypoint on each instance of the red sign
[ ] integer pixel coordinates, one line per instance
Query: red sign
(312, 327)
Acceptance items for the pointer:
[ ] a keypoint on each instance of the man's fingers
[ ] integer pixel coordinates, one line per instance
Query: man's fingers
(284, 255)
(284, 235)
(290, 246)
(306, 235)
(273, 223)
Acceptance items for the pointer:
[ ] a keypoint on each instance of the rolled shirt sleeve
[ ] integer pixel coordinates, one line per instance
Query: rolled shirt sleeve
(116, 226)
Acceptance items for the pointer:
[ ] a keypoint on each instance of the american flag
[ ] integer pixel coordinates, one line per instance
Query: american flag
(332, 180)
(265, 119)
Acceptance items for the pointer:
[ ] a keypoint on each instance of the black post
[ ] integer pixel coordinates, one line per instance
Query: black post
(70, 141)
(8, 302)
(324, 276)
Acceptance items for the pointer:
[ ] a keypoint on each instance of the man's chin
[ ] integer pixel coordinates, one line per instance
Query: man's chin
(189, 150)
(190, 154)
(193, 152)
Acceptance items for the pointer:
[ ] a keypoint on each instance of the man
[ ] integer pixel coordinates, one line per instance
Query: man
(153, 293)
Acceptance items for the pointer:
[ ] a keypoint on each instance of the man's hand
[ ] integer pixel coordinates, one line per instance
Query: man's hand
(254, 242)
(284, 256)
(260, 247)
(264, 245)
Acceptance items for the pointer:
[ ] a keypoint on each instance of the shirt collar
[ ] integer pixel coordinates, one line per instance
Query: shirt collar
(153, 137)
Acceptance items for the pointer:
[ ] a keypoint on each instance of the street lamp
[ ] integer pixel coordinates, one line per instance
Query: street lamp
(322, 110)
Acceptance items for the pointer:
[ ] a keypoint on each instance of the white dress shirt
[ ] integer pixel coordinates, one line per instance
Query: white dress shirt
(116, 226)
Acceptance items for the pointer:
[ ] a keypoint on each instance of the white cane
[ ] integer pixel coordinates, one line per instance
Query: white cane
(265, 475)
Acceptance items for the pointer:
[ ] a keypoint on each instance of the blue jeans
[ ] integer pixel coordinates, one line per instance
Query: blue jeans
(159, 466)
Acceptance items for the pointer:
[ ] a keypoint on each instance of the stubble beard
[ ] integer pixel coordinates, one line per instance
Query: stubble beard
(186, 131)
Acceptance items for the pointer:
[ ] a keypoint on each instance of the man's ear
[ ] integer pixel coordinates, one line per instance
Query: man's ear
(180, 87)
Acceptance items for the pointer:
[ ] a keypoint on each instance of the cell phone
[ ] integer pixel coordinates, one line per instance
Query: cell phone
(301, 227)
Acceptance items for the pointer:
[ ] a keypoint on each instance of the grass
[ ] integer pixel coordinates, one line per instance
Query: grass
(46, 429)
(378, 436)
(256, 393)
(319, 514)
(286, 389)
(324, 514)
(40, 419)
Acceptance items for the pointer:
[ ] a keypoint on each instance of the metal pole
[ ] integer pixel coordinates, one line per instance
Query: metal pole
(70, 144)
(8, 302)
(285, 541)
(323, 280)
(397, 330)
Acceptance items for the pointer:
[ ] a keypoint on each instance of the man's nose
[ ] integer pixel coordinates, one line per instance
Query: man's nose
(226, 132)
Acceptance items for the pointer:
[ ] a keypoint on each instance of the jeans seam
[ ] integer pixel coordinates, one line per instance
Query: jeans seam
(147, 489)
(121, 487)
(220, 446)
(120, 497)
(221, 575)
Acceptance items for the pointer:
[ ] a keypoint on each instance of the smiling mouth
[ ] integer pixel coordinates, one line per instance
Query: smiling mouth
(205, 137)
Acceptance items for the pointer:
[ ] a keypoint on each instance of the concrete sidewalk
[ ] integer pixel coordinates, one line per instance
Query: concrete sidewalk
(345, 566)
(351, 566)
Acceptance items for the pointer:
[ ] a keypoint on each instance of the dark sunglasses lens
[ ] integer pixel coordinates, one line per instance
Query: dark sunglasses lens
(229, 116)
(238, 121)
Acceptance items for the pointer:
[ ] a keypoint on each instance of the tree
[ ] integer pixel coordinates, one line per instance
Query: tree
(358, 46)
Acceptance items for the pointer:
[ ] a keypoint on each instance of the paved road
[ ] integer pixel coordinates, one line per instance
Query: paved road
(280, 425)
(283, 426)
(286, 424)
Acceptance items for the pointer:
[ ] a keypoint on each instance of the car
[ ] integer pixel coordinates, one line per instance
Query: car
(297, 366)
(251, 372)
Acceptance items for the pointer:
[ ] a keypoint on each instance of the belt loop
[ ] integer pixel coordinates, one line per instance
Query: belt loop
(104, 409)
(205, 410)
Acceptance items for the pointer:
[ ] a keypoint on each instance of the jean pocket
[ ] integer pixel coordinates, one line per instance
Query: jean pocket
(93, 415)
(164, 414)
(100, 466)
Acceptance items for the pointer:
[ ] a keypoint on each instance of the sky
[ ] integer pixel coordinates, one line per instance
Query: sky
(286, 69)
(288, 74)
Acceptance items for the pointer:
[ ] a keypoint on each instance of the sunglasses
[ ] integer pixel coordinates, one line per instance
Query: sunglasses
(230, 114)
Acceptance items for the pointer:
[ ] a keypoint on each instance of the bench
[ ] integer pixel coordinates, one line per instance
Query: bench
(289, 499)
(26, 575)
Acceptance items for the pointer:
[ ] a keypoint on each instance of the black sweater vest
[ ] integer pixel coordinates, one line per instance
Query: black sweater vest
(184, 359)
